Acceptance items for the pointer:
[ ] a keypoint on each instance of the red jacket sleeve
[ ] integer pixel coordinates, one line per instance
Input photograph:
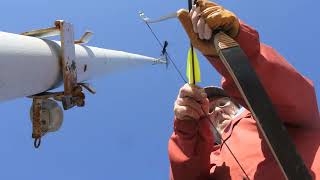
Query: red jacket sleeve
(190, 147)
(292, 94)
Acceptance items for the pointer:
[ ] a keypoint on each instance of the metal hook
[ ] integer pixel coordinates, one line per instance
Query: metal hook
(160, 19)
(37, 142)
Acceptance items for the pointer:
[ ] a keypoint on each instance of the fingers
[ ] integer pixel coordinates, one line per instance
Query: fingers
(185, 113)
(188, 109)
(203, 4)
(205, 107)
(194, 92)
(219, 18)
(192, 10)
(204, 31)
(183, 16)
(211, 10)
(207, 32)
(195, 18)
(206, 47)
(199, 25)
(192, 103)
(189, 102)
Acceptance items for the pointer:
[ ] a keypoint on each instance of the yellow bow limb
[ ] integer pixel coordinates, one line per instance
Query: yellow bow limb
(193, 68)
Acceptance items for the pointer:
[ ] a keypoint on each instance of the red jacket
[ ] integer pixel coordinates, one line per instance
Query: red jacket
(192, 153)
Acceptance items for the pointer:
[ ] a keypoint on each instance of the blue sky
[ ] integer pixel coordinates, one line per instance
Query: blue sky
(123, 131)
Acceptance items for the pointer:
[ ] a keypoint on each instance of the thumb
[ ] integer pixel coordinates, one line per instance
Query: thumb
(206, 47)
(185, 20)
(205, 107)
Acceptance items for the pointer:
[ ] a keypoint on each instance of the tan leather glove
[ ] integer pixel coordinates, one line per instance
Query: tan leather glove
(207, 15)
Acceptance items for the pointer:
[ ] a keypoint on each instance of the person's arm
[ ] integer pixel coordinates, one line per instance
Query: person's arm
(292, 94)
(189, 150)
(192, 140)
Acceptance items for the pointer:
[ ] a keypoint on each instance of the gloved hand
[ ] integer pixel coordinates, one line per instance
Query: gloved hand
(204, 18)
(191, 104)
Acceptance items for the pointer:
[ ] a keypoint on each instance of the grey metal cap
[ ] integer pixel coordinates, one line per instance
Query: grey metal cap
(214, 91)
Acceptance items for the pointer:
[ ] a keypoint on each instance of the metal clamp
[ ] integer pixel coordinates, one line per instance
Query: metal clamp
(69, 67)
(36, 125)
(72, 94)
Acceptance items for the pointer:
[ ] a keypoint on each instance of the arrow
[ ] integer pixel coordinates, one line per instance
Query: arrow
(193, 68)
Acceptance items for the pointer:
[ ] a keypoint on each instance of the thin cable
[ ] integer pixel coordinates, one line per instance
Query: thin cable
(207, 116)
(236, 159)
(224, 142)
(190, 3)
(169, 57)
(162, 18)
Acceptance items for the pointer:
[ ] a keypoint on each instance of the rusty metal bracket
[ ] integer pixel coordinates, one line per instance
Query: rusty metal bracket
(42, 33)
(70, 97)
(88, 87)
(36, 126)
(69, 69)
(85, 38)
(72, 94)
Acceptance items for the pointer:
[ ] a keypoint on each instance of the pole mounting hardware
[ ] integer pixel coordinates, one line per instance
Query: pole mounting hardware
(72, 95)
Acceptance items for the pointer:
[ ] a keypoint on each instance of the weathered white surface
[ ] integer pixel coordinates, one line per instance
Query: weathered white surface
(30, 65)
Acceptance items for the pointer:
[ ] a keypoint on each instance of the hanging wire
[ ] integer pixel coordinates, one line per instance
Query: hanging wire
(225, 143)
(162, 18)
(179, 72)
(162, 46)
